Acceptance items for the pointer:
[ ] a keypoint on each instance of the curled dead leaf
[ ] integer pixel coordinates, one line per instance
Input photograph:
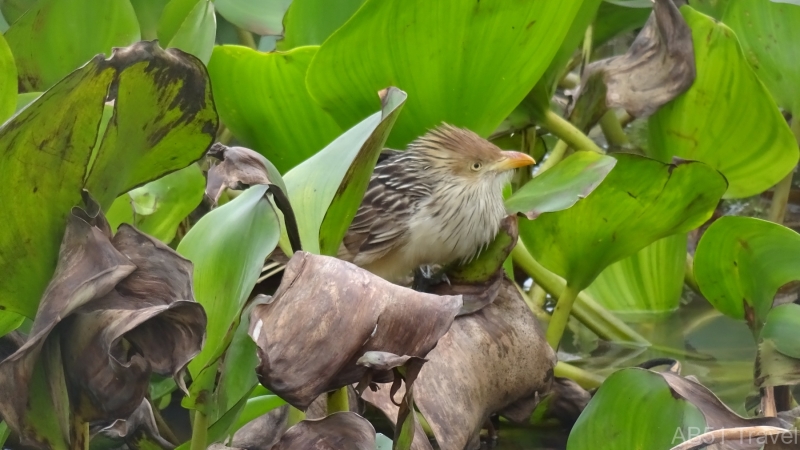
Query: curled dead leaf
(342, 430)
(141, 425)
(326, 314)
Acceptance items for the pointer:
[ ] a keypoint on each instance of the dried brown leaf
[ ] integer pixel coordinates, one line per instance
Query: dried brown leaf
(239, 168)
(342, 430)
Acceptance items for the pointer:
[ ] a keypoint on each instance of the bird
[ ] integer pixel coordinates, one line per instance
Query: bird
(438, 202)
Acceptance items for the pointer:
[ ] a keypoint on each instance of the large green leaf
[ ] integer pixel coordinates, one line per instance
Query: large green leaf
(228, 247)
(163, 120)
(189, 25)
(465, 63)
(639, 202)
(8, 81)
(741, 262)
(326, 189)
(9, 321)
(649, 281)
(754, 150)
(769, 33)
(262, 99)
(259, 16)
(55, 37)
(778, 360)
(310, 22)
(158, 207)
(562, 186)
(635, 409)
(14, 9)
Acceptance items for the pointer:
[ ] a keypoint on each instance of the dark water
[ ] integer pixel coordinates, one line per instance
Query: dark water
(718, 350)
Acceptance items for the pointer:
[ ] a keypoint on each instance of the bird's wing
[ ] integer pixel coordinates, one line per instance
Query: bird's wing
(381, 222)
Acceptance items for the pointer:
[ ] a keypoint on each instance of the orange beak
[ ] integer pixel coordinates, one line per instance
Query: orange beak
(512, 160)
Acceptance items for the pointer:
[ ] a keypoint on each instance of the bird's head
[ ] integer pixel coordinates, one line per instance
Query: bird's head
(457, 152)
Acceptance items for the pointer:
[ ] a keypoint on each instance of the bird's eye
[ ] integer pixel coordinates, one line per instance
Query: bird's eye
(476, 166)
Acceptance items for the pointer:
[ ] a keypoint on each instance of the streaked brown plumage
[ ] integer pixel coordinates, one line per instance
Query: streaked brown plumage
(439, 201)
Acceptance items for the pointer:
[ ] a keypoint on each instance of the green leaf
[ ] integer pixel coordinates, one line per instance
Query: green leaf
(768, 33)
(382, 442)
(639, 202)
(189, 25)
(744, 261)
(326, 189)
(258, 16)
(55, 37)
(635, 409)
(310, 22)
(257, 407)
(26, 99)
(613, 20)
(632, 3)
(778, 361)
(228, 247)
(753, 150)
(645, 283)
(148, 13)
(562, 186)
(289, 127)
(466, 63)
(9, 321)
(8, 81)
(158, 207)
(14, 9)
(163, 120)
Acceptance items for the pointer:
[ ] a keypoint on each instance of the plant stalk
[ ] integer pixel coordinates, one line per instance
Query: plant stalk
(556, 155)
(584, 378)
(780, 196)
(199, 431)
(79, 439)
(568, 132)
(560, 317)
(295, 416)
(612, 129)
(586, 310)
(338, 401)
(689, 277)
(246, 38)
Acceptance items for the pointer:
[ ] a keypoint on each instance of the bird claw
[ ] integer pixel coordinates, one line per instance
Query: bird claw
(425, 278)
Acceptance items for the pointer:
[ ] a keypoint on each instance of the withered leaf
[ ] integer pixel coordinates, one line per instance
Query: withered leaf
(326, 314)
(140, 426)
(342, 430)
(658, 67)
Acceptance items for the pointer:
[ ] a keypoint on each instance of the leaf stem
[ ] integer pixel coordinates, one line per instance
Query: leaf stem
(199, 431)
(584, 378)
(568, 132)
(780, 196)
(246, 38)
(80, 434)
(612, 129)
(556, 155)
(604, 324)
(338, 401)
(689, 277)
(560, 317)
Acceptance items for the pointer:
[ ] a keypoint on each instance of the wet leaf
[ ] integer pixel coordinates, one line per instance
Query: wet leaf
(189, 25)
(326, 189)
(458, 81)
(301, 359)
(8, 81)
(635, 408)
(264, 18)
(658, 66)
(290, 127)
(159, 207)
(242, 233)
(639, 202)
(562, 186)
(646, 283)
(42, 53)
(755, 150)
(337, 431)
(54, 136)
(310, 22)
(741, 262)
(766, 31)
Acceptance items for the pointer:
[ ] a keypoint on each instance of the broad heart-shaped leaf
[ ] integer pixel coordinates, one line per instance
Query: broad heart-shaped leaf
(55, 37)
(8, 81)
(645, 283)
(754, 150)
(778, 361)
(326, 189)
(635, 409)
(189, 25)
(259, 16)
(768, 33)
(640, 201)
(560, 187)
(158, 207)
(310, 22)
(262, 99)
(242, 232)
(453, 58)
(741, 262)
(163, 120)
